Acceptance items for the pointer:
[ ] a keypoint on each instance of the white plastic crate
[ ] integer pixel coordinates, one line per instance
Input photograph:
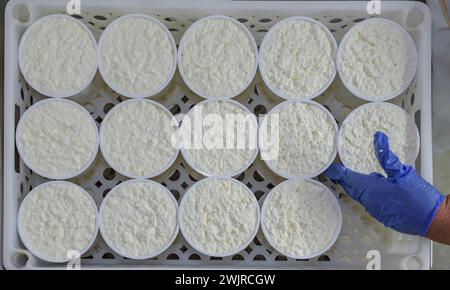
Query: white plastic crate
(360, 233)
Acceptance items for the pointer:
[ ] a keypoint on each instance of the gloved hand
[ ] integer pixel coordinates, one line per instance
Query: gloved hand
(403, 201)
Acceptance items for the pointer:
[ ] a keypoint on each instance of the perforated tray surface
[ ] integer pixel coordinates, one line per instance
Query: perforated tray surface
(360, 233)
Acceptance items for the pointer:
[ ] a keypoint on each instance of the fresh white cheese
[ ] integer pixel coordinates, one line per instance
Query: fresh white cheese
(377, 60)
(300, 218)
(136, 138)
(58, 56)
(217, 57)
(56, 219)
(57, 138)
(139, 218)
(228, 141)
(298, 58)
(136, 56)
(300, 139)
(356, 138)
(219, 216)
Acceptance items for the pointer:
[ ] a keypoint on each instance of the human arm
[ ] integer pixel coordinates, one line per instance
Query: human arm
(440, 227)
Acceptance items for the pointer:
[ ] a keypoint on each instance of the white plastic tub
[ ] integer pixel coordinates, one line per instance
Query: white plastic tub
(408, 78)
(360, 234)
(107, 75)
(72, 147)
(116, 162)
(184, 208)
(266, 149)
(182, 49)
(251, 134)
(410, 156)
(263, 70)
(336, 230)
(89, 78)
(106, 235)
(49, 232)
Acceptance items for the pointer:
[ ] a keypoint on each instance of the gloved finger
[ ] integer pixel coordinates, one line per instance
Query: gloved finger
(376, 174)
(335, 172)
(388, 160)
(348, 179)
(345, 177)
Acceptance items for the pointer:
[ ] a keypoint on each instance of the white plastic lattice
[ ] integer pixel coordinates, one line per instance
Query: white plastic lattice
(360, 233)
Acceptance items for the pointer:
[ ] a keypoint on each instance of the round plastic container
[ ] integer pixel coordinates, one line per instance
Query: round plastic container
(39, 171)
(263, 149)
(412, 49)
(108, 159)
(182, 47)
(111, 244)
(226, 174)
(28, 244)
(91, 76)
(336, 231)
(199, 248)
(114, 86)
(413, 127)
(262, 69)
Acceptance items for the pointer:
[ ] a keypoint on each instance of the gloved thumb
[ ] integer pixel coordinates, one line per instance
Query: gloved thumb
(350, 180)
(388, 160)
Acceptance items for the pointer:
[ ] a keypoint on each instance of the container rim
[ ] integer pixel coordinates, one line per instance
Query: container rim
(247, 164)
(107, 157)
(181, 50)
(23, 156)
(154, 253)
(411, 46)
(20, 61)
(103, 73)
(262, 69)
(349, 118)
(299, 175)
(333, 199)
(20, 213)
(198, 248)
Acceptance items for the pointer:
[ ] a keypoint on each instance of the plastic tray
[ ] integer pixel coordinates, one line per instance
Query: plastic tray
(360, 233)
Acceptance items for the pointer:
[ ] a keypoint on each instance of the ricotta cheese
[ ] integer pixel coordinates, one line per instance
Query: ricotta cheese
(57, 218)
(135, 138)
(137, 56)
(229, 144)
(377, 60)
(139, 219)
(356, 137)
(298, 58)
(306, 140)
(301, 218)
(219, 217)
(57, 138)
(217, 57)
(57, 56)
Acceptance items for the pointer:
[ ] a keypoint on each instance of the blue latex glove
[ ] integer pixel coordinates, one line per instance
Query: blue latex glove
(403, 201)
